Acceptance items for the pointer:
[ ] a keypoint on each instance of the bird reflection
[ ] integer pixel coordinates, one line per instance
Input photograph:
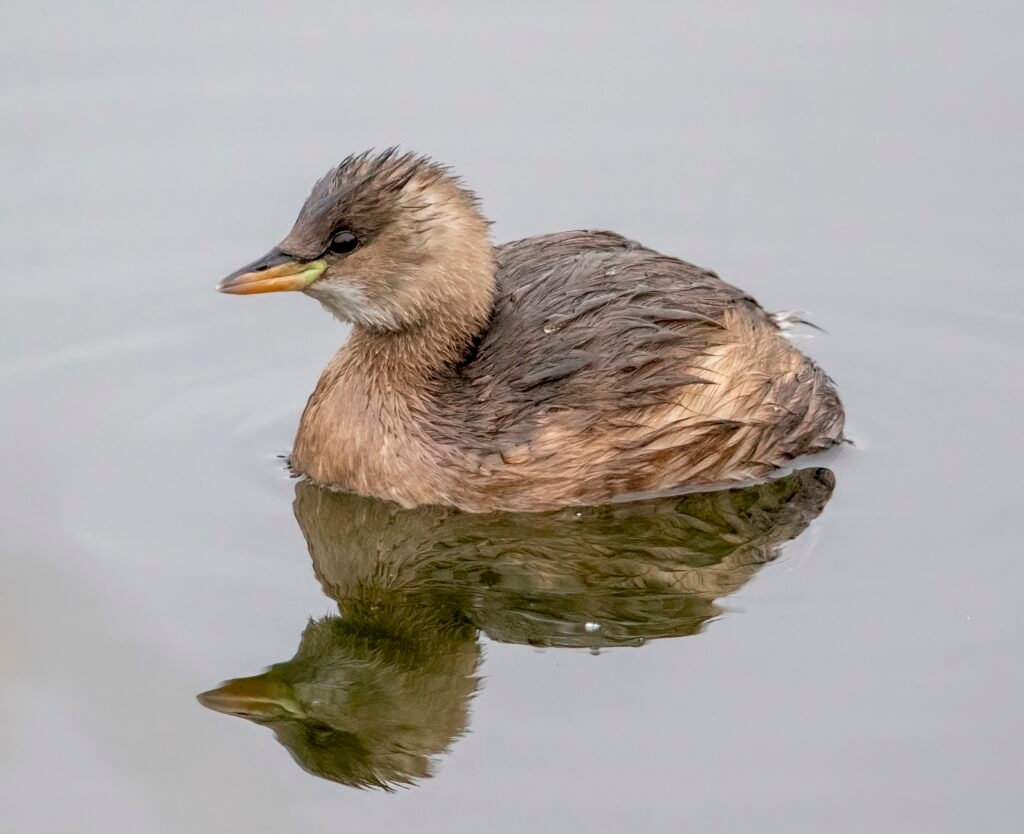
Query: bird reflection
(375, 694)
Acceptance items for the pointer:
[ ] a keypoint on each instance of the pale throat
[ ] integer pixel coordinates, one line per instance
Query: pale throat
(408, 345)
(352, 305)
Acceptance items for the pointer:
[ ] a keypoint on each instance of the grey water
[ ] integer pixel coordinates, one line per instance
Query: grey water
(835, 651)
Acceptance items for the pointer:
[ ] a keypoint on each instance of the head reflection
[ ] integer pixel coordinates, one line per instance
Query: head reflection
(375, 694)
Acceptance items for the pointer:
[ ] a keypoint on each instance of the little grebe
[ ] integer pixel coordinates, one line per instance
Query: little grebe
(570, 368)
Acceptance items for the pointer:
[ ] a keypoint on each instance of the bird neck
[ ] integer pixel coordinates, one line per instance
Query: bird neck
(441, 338)
(410, 356)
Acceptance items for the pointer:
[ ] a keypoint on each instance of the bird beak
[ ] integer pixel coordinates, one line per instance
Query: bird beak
(256, 697)
(274, 272)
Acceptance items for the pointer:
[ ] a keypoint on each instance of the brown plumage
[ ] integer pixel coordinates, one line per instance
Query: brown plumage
(377, 692)
(572, 368)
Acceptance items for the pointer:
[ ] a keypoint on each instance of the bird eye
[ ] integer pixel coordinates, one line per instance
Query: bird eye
(343, 242)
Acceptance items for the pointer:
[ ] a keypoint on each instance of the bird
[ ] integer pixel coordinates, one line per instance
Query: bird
(378, 692)
(571, 368)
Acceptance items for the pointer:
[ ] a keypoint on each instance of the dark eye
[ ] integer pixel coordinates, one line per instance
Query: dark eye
(343, 242)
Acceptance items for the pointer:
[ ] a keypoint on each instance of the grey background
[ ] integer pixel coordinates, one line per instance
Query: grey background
(858, 160)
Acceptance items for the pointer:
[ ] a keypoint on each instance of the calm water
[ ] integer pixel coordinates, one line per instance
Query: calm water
(836, 651)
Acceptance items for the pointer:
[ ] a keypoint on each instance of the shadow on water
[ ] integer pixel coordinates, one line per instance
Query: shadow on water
(374, 694)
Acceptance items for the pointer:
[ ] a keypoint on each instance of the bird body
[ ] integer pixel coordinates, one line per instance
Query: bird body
(565, 369)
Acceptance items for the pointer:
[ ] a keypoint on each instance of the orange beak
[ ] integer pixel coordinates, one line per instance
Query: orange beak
(274, 272)
(256, 697)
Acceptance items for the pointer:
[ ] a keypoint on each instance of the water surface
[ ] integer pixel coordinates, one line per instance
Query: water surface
(854, 667)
